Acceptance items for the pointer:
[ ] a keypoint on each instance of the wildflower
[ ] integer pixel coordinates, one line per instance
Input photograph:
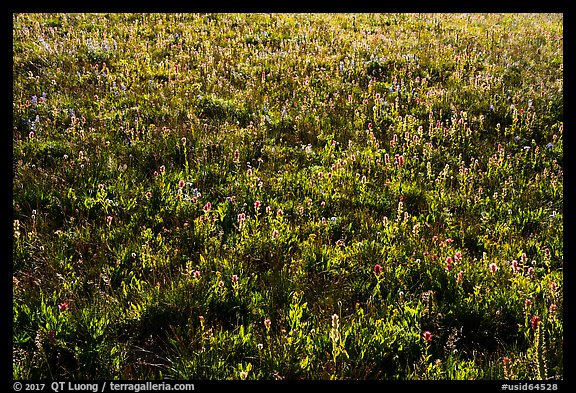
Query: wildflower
(63, 306)
(243, 375)
(181, 183)
(515, 267)
(340, 243)
(267, 323)
(322, 204)
(553, 286)
(534, 321)
(459, 276)
(162, 169)
(275, 234)
(531, 271)
(260, 346)
(257, 205)
(549, 145)
(457, 256)
(335, 321)
(241, 218)
(449, 260)
(552, 308)
(427, 336)
(279, 213)
(196, 274)
(377, 269)
(155, 173)
(493, 267)
(434, 238)
(234, 278)
(527, 302)
(221, 284)
(148, 194)
(207, 207)
(268, 209)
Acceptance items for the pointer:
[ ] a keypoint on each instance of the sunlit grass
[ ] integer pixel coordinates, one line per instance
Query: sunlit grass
(288, 196)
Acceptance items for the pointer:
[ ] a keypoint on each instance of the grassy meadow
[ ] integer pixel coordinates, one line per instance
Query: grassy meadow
(287, 196)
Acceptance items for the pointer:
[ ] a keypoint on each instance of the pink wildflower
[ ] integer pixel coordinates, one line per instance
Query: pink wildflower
(427, 336)
(515, 267)
(241, 218)
(534, 321)
(377, 269)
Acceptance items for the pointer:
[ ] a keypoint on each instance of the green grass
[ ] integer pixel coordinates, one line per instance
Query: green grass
(181, 180)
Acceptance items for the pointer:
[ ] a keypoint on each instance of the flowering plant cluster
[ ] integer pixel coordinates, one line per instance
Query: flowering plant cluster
(287, 196)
